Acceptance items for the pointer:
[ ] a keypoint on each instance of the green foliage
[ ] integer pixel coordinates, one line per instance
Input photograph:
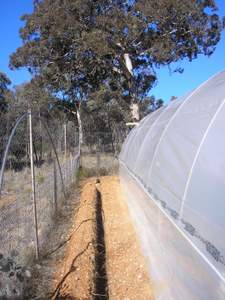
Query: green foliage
(17, 101)
(32, 95)
(4, 82)
(104, 53)
(78, 45)
(148, 105)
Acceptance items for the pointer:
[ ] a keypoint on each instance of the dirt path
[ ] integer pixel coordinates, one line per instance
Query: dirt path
(74, 280)
(127, 273)
(103, 258)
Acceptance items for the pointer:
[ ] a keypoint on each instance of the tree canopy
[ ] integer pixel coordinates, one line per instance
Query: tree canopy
(78, 45)
(105, 52)
(4, 82)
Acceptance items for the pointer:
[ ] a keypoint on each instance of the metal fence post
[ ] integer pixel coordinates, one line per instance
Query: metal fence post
(65, 140)
(33, 186)
(65, 151)
(71, 168)
(98, 158)
(55, 187)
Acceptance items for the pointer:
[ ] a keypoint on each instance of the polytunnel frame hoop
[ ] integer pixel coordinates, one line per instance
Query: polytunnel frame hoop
(197, 156)
(218, 273)
(172, 119)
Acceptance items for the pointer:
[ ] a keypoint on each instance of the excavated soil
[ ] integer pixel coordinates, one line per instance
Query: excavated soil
(103, 258)
(74, 280)
(126, 268)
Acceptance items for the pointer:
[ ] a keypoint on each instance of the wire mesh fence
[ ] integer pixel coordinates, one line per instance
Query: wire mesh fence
(47, 148)
(55, 156)
(100, 151)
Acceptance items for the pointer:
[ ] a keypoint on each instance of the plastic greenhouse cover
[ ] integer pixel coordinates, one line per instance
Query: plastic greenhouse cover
(172, 169)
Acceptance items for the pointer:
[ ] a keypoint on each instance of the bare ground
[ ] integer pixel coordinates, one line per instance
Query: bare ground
(74, 280)
(126, 268)
(99, 256)
(120, 271)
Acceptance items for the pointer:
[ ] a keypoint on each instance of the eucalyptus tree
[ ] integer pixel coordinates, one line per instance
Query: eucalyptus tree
(5, 94)
(4, 91)
(78, 47)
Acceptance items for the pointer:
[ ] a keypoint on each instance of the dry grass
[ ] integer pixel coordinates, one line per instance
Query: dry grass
(42, 283)
(108, 165)
(17, 230)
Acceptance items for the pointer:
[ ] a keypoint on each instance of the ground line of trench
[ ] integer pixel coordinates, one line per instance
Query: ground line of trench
(100, 278)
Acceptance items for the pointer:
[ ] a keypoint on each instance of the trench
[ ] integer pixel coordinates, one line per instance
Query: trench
(100, 277)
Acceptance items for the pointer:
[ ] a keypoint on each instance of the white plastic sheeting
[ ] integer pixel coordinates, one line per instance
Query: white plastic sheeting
(173, 173)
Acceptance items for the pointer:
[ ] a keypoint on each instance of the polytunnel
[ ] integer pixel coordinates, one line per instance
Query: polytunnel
(172, 169)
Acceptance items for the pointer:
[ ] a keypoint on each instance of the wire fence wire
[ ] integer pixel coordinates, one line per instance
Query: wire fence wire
(99, 152)
(56, 161)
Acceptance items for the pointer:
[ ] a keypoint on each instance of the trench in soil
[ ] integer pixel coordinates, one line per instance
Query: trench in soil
(100, 257)
(101, 280)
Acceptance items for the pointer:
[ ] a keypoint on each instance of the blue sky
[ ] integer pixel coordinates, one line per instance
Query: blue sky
(10, 12)
(195, 72)
(176, 84)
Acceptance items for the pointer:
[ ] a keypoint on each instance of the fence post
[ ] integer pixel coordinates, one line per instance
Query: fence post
(33, 185)
(65, 140)
(55, 187)
(65, 151)
(98, 158)
(71, 168)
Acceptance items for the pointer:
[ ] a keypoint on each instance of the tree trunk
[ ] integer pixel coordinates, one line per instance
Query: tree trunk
(80, 128)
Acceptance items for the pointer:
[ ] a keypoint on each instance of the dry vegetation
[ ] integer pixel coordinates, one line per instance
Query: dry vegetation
(17, 231)
(92, 251)
(108, 164)
(42, 282)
